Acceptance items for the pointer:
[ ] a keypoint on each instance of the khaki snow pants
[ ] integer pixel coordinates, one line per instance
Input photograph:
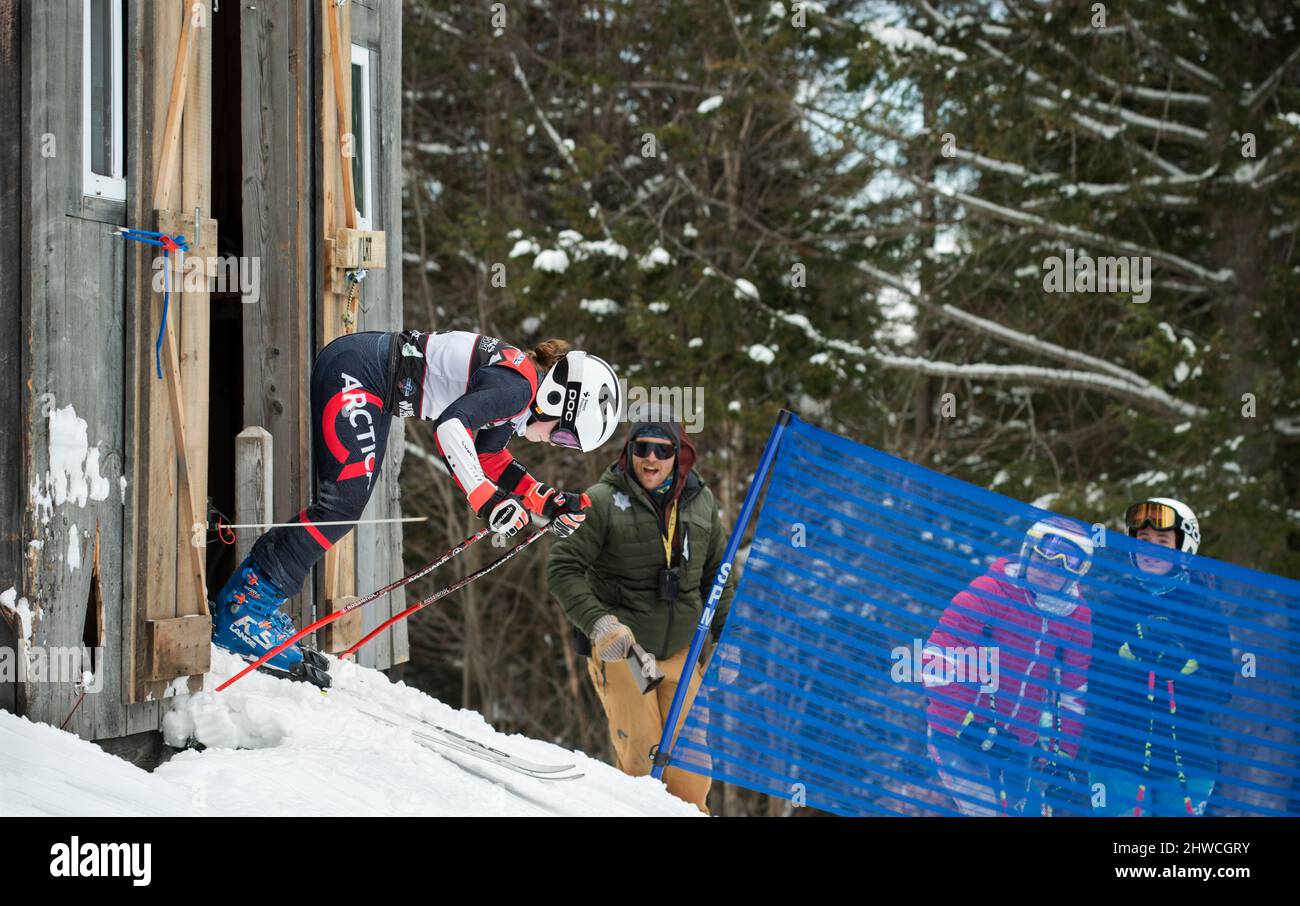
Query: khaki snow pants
(636, 721)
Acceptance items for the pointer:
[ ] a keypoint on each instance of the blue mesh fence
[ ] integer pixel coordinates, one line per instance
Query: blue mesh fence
(896, 648)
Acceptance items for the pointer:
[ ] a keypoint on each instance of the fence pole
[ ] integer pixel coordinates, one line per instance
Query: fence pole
(663, 751)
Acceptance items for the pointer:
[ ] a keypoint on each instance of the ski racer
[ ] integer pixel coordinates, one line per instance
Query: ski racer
(479, 392)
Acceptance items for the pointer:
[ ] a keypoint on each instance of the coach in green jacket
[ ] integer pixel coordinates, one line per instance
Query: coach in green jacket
(639, 570)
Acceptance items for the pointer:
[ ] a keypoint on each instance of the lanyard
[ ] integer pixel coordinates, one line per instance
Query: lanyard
(668, 539)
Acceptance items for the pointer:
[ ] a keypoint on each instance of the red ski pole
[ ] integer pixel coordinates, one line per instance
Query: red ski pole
(455, 586)
(324, 621)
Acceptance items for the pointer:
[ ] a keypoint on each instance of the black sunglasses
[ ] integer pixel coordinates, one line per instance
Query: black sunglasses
(646, 448)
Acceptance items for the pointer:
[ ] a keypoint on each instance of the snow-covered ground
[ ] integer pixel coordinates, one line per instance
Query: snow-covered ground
(273, 747)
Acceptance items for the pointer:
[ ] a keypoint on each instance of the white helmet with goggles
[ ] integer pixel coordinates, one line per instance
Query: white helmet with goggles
(1163, 514)
(1062, 545)
(582, 392)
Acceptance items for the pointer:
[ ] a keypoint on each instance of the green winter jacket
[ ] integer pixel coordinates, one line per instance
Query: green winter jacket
(611, 564)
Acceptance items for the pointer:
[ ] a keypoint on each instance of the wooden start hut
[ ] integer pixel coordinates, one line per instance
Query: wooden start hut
(267, 134)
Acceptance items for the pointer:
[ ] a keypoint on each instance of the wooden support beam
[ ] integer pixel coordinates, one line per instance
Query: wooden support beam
(344, 632)
(171, 140)
(203, 244)
(336, 214)
(175, 516)
(360, 248)
(175, 109)
(193, 327)
(254, 464)
(342, 106)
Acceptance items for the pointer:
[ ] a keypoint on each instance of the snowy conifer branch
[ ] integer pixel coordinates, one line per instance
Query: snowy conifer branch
(1156, 400)
(1010, 336)
(560, 146)
(1009, 168)
(423, 12)
(1161, 127)
(1118, 382)
(1253, 101)
(1222, 276)
(1137, 92)
(1185, 66)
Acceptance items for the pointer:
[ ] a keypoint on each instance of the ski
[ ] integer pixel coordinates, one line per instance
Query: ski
(363, 704)
(530, 766)
(450, 739)
(436, 733)
(307, 671)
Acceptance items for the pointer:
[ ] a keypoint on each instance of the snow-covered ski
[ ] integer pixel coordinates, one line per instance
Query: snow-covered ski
(436, 737)
(433, 735)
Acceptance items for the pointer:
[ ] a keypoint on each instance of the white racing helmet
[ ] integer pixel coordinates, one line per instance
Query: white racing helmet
(1164, 513)
(583, 393)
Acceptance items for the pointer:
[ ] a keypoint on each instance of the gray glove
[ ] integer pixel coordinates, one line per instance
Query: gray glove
(610, 639)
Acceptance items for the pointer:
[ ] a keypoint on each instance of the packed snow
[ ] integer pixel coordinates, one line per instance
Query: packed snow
(272, 747)
(74, 548)
(73, 475)
(9, 599)
(74, 464)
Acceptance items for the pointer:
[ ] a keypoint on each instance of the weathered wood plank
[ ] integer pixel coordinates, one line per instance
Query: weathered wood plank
(49, 82)
(338, 60)
(254, 486)
(179, 647)
(338, 210)
(181, 54)
(388, 197)
(13, 254)
(278, 157)
(344, 632)
(193, 305)
(157, 534)
(144, 716)
(108, 717)
(379, 546)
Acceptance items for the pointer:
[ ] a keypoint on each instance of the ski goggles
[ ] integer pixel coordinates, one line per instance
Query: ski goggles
(562, 435)
(1055, 549)
(565, 437)
(1160, 516)
(646, 448)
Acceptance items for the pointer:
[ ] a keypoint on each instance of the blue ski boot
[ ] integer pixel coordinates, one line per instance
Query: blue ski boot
(247, 621)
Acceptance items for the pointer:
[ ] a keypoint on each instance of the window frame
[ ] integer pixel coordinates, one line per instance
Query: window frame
(110, 187)
(361, 57)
